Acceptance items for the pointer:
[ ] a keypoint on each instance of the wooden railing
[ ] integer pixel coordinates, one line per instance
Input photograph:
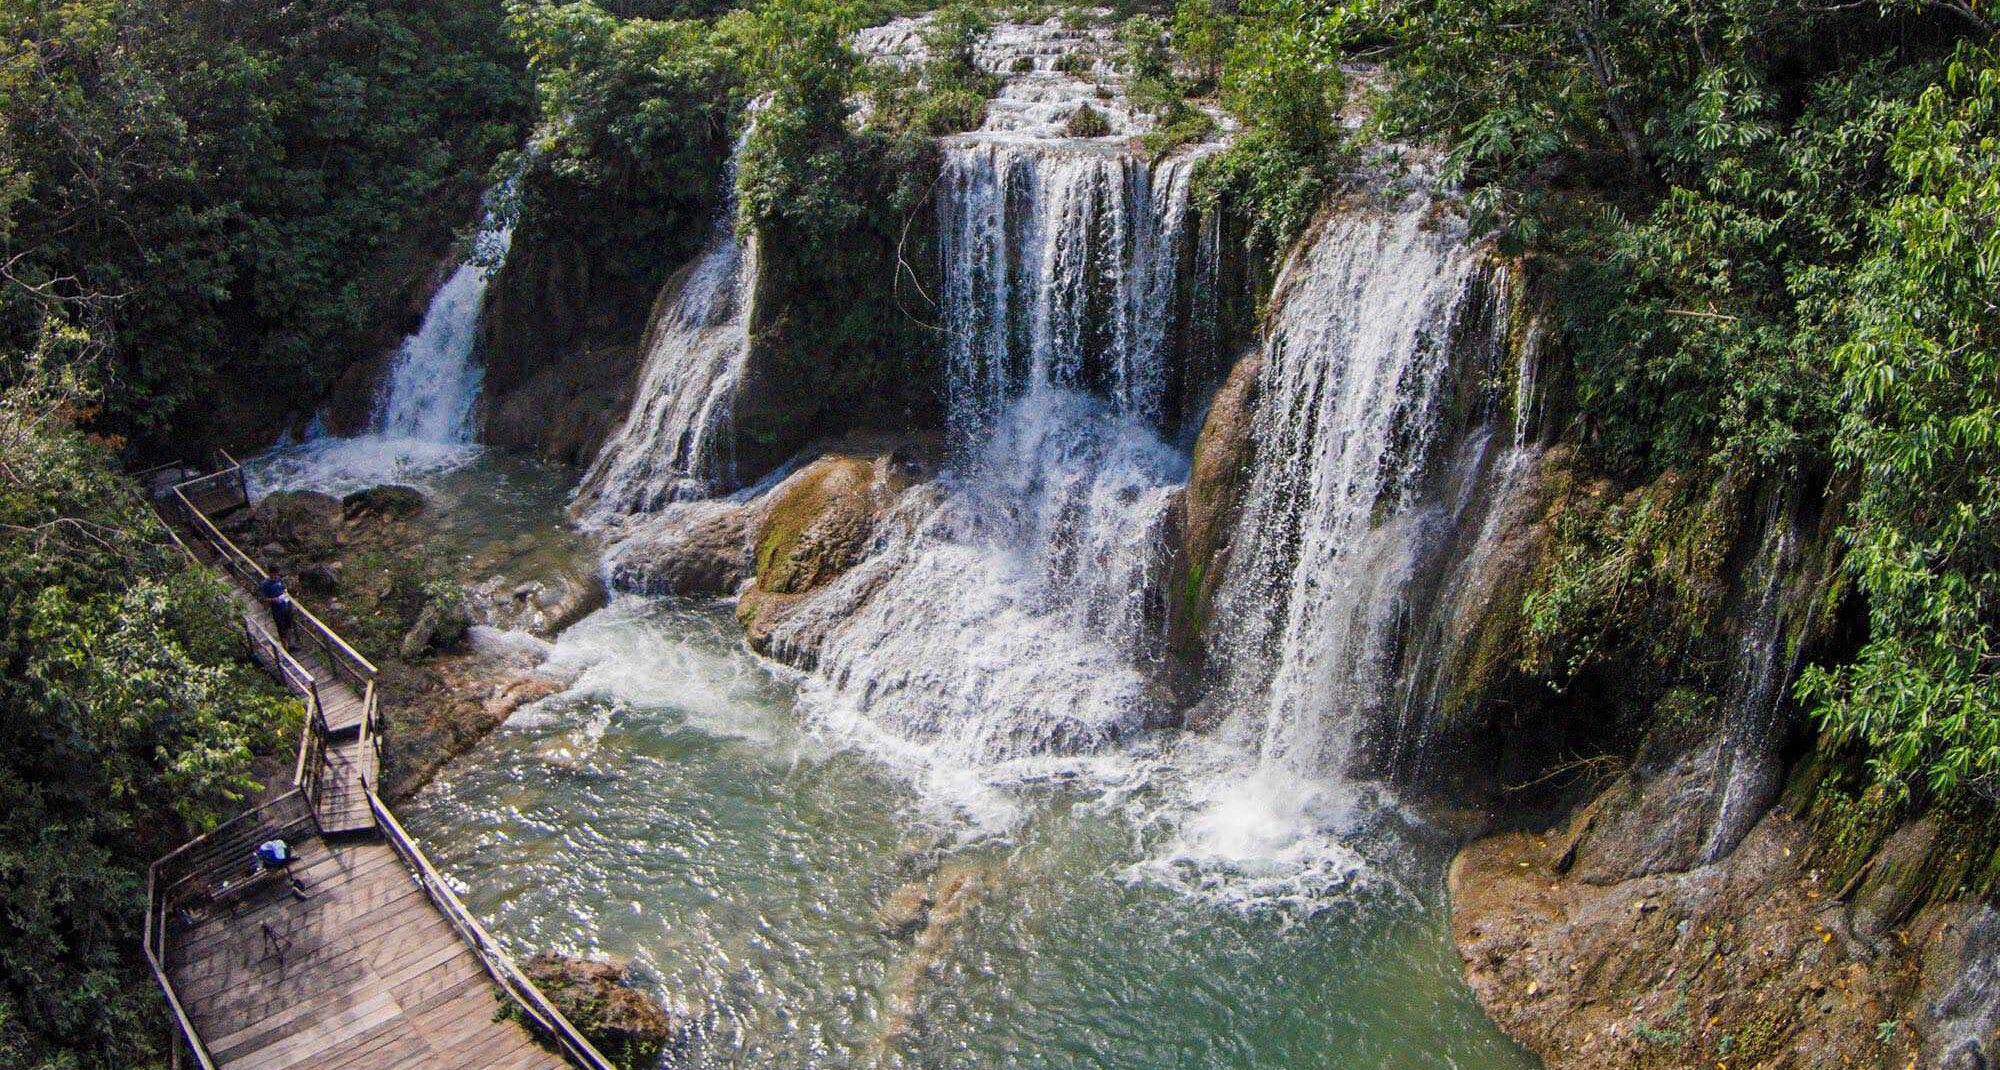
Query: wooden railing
(168, 886)
(541, 1013)
(346, 662)
(233, 841)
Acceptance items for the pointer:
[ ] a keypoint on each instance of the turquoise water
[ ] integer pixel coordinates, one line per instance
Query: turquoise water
(675, 808)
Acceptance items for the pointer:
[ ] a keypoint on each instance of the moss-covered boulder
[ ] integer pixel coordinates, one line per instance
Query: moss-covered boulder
(303, 526)
(390, 501)
(598, 997)
(819, 523)
(1217, 479)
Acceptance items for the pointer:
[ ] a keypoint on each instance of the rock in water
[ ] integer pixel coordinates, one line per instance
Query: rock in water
(391, 501)
(598, 997)
(905, 911)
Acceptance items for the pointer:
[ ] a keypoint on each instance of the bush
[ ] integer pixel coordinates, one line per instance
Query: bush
(128, 717)
(1087, 121)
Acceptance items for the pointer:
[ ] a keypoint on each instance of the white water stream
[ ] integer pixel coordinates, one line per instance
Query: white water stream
(675, 442)
(422, 423)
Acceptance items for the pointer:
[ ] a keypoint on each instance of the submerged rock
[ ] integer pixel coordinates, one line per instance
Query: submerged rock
(905, 910)
(598, 997)
(391, 501)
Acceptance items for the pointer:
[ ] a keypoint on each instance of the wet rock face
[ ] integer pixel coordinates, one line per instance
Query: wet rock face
(597, 996)
(1962, 990)
(1217, 478)
(560, 349)
(1613, 943)
(1648, 822)
(692, 549)
(812, 528)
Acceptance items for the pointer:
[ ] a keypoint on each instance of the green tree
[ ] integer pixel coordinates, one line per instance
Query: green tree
(127, 720)
(1920, 379)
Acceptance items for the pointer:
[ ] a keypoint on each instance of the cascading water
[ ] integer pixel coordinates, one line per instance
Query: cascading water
(1380, 467)
(1002, 632)
(423, 417)
(1062, 267)
(1750, 769)
(675, 444)
(1358, 387)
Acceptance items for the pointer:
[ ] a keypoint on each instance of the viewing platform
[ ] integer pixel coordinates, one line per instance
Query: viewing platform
(357, 955)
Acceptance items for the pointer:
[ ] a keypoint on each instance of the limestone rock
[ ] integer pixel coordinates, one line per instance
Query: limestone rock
(1217, 478)
(694, 549)
(391, 501)
(599, 998)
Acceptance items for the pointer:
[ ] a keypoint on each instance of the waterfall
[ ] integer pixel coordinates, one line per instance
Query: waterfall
(1383, 466)
(1359, 386)
(1061, 267)
(675, 442)
(1004, 630)
(422, 421)
(1750, 768)
(434, 384)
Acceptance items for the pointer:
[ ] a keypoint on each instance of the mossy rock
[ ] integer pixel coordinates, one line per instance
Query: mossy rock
(391, 501)
(302, 523)
(1087, 121)
(1219, 473)
(818, 526)
(627, 1025)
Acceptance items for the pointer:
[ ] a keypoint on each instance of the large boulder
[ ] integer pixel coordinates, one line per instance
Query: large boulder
(303, 524)
(692, 549)
(1217, 478)
(390, 501)
(815, 526)
(598, 997)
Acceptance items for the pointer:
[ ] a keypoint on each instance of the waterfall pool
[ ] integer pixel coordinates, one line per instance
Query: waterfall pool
(672, 807)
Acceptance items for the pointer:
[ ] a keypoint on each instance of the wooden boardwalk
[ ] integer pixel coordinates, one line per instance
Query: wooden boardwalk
(368, 961)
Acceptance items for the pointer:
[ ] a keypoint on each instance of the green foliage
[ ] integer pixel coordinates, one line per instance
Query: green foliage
(1087, 121)
(630, 161)
(1920, 376)
(1203, 30)
(213, 195)
(1281, 79)
(126, 720)
(1633, 581)
(949, 94)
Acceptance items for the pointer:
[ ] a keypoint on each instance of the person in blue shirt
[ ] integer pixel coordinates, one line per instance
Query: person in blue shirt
(284, 614)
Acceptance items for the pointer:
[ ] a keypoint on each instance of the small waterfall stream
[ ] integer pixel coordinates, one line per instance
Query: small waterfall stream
(422, 421)
(675, 444)
(1358, 481)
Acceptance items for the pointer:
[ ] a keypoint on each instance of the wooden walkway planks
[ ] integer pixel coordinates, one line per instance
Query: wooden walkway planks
(378, 966)
(363, 975)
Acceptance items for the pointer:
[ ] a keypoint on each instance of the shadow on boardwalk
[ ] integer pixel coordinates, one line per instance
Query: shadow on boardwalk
(358, 956)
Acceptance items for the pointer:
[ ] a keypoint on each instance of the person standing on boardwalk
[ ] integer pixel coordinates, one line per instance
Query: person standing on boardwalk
(284, 614)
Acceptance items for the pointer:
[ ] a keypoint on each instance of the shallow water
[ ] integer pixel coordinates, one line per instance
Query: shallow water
(673, 807)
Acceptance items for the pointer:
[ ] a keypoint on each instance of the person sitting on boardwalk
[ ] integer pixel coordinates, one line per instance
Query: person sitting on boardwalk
(283, 613)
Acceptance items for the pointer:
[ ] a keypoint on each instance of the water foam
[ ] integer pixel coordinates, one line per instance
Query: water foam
(422, 423)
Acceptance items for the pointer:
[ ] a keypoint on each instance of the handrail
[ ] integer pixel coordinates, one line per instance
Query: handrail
(498, 963)
(155, 947)
(307, 775)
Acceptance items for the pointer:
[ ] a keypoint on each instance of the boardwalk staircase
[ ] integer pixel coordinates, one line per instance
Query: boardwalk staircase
(357, 955)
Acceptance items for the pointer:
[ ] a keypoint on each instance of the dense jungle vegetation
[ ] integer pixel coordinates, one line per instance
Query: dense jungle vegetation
(1768, 233)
